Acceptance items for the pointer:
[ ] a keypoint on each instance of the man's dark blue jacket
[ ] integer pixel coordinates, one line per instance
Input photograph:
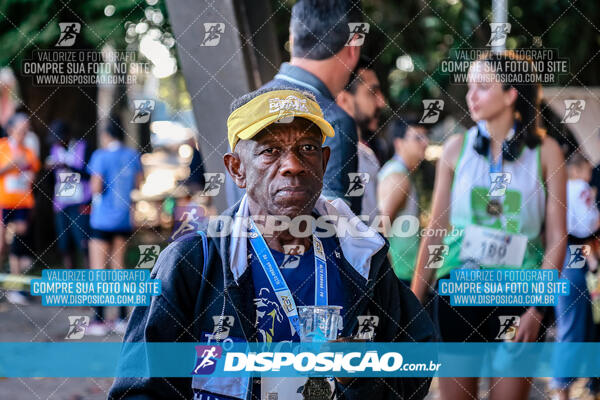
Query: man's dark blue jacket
(344, 145)
(193, 292)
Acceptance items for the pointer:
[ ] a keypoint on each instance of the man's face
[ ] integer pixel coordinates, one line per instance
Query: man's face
(414, 144)
(368, 101)
(282, 168)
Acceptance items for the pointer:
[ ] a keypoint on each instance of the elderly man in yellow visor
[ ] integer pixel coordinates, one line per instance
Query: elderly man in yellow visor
(250, 281)
(276, 139)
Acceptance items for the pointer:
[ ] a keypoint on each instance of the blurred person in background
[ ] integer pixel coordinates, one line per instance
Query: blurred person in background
(595, 178)
(323, 55)
(115, 171)
(18, 165)
(31, 140)
(72, 195)
(8, 85)
(397, 194)
(530, 207)
(594, 383)
(574, 322)
(8, 107)
(195, 181)
(363, 100)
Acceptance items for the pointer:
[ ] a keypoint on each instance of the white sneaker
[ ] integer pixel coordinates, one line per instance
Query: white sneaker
(120, 326)
(16, 298)
(96, 329)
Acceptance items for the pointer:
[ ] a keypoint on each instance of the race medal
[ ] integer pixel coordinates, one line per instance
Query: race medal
(316, 389)
(494, 207)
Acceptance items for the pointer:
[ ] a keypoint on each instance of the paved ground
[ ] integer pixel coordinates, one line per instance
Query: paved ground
(38, 323)
(47, 324)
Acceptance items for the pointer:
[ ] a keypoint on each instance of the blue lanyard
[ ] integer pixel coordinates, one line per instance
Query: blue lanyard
(495, 166)
(277, 281)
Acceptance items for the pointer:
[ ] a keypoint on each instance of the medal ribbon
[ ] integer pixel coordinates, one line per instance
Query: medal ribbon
(277, 281)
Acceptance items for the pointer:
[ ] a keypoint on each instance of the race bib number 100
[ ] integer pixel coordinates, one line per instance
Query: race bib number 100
(491, 247)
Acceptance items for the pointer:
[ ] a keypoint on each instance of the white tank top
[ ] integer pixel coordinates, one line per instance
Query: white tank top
(524, 202)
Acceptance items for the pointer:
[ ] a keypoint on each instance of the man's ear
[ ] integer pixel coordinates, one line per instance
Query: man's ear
(353, 54)
(345, 101)
(326, 154)
(511, 96)
(234, 166)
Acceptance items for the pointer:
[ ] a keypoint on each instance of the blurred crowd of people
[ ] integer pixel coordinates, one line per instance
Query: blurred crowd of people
(552, 197)
(91, 198)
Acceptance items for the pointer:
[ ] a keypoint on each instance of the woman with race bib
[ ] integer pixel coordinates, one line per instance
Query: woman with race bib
(501, 185)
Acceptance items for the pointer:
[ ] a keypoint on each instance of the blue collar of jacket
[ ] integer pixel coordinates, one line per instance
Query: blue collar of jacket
(301, 77)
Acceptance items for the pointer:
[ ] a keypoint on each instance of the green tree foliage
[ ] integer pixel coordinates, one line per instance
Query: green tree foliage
(427, 31)
(32, 24)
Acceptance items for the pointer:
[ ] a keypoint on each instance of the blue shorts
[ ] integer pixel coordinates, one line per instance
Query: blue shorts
(18, 214)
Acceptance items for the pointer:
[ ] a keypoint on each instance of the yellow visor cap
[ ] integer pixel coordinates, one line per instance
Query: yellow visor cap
(276, 106)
